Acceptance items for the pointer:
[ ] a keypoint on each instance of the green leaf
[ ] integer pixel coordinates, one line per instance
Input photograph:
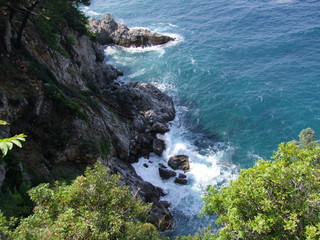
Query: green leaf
(3, 148)
(17, 142)
(3, 122)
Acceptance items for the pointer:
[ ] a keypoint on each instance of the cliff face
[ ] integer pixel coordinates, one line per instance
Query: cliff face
(74, 114)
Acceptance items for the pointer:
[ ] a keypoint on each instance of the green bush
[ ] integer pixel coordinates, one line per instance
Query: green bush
(273, 200)
(94, 206)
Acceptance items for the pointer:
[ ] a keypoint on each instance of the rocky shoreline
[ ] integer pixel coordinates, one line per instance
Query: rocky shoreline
(108, 31)
(75, 113)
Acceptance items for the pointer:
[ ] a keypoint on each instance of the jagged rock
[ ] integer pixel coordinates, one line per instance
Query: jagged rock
(181, 175)
(161, 214)
(158, 146)
(166, 173)
(162, 166)
(159, 128)
(108, 31)
(75, 114)
(180, 162)
(145, 165)
(144, 99)
(148, 106)
(182, 181)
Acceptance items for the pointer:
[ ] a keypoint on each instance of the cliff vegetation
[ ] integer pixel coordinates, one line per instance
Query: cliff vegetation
(57, 89)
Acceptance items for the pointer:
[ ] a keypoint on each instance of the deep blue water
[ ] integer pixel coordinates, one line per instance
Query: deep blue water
(244, 75)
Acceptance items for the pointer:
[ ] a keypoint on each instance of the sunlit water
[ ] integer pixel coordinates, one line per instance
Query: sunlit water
(244, 75)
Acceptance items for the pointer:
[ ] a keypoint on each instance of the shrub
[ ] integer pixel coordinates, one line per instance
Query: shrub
(94, 206)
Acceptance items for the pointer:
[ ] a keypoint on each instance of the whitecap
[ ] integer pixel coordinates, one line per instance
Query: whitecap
(208, 168)
(283, 1)
(87, 11)
(137, 73)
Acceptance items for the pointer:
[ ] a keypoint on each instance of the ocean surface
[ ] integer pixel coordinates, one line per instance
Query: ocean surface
(244, 76)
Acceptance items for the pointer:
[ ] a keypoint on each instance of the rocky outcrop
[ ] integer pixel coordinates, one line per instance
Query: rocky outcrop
(108, 31)
(75, 114)
(180, 162)
(147, 106)
(160, 215)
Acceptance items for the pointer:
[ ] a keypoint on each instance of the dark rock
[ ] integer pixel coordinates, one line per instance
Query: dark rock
(183, 181)
(181, 175)
(160, 128)
(180, 162)
(145, 165)
(144, 190)
(166, 173)
(108, 31)
(161, 216)
(162, 166)
(146, 101)
(158, 146)
(109, 120)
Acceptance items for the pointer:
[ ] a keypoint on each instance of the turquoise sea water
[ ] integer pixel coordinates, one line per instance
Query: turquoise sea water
(244, 75)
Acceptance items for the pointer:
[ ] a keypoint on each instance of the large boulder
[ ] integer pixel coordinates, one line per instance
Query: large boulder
(108, 31)
(179, 162)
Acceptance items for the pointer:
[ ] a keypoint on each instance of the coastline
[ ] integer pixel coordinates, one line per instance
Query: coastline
(75, 114)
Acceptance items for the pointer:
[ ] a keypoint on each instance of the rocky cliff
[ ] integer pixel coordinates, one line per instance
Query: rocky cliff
(75, 113)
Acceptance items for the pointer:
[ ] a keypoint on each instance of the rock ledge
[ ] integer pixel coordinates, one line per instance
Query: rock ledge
(108, 31)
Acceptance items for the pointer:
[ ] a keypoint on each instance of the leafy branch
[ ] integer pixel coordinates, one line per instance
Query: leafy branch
(7, 144)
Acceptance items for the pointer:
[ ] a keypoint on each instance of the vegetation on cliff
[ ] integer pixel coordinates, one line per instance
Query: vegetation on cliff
(276, 199)
(94, 206)
(49, 16)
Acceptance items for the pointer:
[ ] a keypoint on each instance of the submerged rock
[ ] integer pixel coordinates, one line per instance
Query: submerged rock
(180, 162)
(108, 31)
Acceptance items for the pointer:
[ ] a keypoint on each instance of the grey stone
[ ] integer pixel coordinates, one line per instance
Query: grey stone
(166, 173)
(108, 31)
(182, 181)
(180, 162)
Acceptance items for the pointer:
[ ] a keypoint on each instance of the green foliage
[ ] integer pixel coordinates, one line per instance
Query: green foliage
(16, 202)
(6, 144)
(56, 15)
(94, 206)
(206, 234)
(105, 148)
(273, 200)
(71, 39)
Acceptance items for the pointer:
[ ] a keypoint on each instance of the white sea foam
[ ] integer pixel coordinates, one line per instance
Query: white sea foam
(283, 1)
(137, 73)
(205, 169)
(114, 50)
(87, 11)
(165, 86)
